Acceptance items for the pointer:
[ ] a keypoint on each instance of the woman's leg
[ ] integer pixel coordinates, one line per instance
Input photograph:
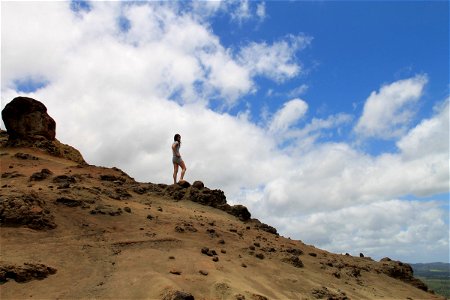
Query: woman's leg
(183, 169)
(175, 172)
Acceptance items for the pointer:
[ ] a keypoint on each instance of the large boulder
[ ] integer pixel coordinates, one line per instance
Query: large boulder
(27, 119)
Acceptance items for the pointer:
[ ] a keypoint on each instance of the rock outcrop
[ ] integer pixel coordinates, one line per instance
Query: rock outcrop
(27, 119)
(29, 125)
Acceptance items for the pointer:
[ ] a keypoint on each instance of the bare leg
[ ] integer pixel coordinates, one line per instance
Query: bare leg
(183, 170)
(175, 172)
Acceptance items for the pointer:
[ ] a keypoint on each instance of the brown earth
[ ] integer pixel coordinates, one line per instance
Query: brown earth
(74, 231)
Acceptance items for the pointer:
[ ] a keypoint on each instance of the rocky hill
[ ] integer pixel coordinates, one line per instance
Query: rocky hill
(73, 230)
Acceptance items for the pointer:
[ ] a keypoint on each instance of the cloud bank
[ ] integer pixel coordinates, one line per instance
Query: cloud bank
(121, 78)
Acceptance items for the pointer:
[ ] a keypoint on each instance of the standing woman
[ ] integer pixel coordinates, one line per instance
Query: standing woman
(176, 159)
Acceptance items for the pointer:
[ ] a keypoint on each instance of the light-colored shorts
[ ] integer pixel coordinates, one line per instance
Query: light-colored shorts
(177, 160)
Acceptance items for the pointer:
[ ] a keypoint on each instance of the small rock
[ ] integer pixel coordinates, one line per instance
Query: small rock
(243, 265)
(127, 209)
(312, 254)
(150, 217)
(260, 255)
(175, 272)
(204, 273)
(215, 259)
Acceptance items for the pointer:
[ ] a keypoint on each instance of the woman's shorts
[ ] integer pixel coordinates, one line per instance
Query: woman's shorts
(177, 160)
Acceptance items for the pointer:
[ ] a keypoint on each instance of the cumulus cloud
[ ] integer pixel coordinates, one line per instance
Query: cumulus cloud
(388, 112)
(276, 61)
(119, 94)
(288, 115)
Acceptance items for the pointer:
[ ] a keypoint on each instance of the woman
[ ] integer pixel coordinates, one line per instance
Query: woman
(176, 159)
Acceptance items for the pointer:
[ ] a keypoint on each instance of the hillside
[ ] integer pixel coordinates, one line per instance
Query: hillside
(108, 236)
(70, 230)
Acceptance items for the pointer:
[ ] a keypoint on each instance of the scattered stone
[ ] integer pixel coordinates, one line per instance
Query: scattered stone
(243, 265)
(150, 217)
(25, 156)
(361, 255)
(259, 255)
(239, 297)
(175, 272)
(184, 184)
(177, 295)
(42, 175)
(198, 185)
(257, 244)
(324, 293)
(252, 248)
(259, 297)
(25, 210)
(127, 209)
(293, 260)
(24, 273)
(171, 257)
(312, 254)
(160, 209)
(222, 242)
(205, 250)
(223, 251)
(13, 174)
(204, 273)
(69, 202)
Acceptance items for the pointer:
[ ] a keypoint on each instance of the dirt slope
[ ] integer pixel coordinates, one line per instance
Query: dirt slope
(92, 232)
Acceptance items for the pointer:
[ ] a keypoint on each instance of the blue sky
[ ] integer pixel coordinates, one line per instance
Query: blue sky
(328, 119)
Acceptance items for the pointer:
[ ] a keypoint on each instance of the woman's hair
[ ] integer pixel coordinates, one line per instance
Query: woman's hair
(177, 138)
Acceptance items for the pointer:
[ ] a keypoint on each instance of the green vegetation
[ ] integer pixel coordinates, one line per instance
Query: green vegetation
(435, 275)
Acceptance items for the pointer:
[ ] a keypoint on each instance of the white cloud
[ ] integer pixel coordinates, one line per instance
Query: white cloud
(261, 10)
(119, 96)
(388, 113)
(288, 115)
(276, 61)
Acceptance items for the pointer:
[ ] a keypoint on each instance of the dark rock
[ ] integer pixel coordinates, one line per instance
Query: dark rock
(204, 273)
(13, 174)
(312, 254)
(24, 273)
(205, 250)
(243, 265)
(42, 175)
(25, 156)
(252, 248)
(294, 251)
(177, 295)
(64, 179)
(257, 244)
(127, 209)
(175, 272)
(264, 227)
(259, 297)
(221, 242)
(259, 255)
(25, 210)
(293, 260)
(112, 178)
(361, 255)
(150, 217)
(240, 211)
(198, 185)
(25, 118)
(179, 229)
(324, 293)
(402, 271)
(223, 251)
(215, 259)
(69, 202)
(184, 184)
